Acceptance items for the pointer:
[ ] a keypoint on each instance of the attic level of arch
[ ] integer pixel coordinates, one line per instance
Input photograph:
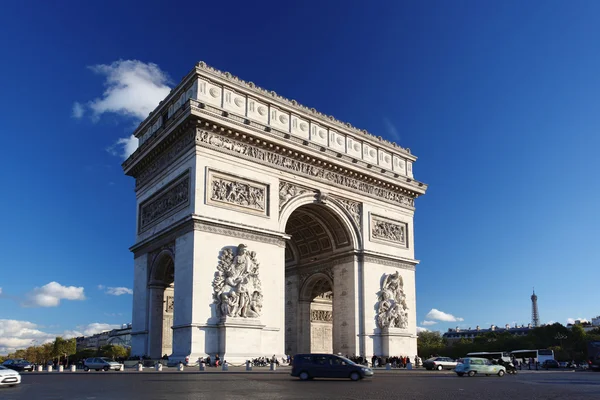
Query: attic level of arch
(168, 146)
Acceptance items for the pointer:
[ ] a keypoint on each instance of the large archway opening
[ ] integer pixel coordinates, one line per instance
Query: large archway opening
(318, 239)
(161, 287)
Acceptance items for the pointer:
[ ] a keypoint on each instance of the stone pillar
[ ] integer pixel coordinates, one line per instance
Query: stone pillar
(345, 309)
(186, 288)
(155, 321)
(139, 323)
(303, 318)
(291, 314)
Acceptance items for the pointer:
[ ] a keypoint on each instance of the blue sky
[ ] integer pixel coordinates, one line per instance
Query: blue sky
(499, 100)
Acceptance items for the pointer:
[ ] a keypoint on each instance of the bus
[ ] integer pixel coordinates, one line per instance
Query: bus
(492, 355)
(538, 355)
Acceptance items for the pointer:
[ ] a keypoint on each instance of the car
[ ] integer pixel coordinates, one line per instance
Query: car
(439, 363)
(317, 365)
(9, 377)
(550, 364)
(101, 363)
(472, 366)
(18, 365)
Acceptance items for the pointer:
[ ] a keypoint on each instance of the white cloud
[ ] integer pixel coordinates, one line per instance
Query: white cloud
(428, 323)
(16, 334)
(133, 89)
(421, 329)
(78, 110)
(118, 291)
(101, 287)
(572, 320)
(124, 147)
(438, 315)
(51, 294)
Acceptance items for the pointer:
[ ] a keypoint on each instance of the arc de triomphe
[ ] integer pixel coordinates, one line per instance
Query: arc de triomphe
(265, 227)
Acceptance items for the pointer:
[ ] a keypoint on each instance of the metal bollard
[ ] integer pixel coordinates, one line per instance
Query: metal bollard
(140, 367)
(273, 366)
(40, 368)
(248, 365)
(225, 366)
(388, 366)
(61, 368)
(180, 367)
(73, 368)
(202, 366)
(158, 367)
(49, 368)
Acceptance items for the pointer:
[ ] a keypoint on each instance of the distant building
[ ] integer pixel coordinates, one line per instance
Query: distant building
(454, 335)
(121, 337)
(587, 325)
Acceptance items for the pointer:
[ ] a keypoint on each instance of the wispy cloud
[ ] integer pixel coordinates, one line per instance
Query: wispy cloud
(77, 111)
(421, 329)
(133, 89)
(438, 315)
(428, 323)
(391, 130)
(115, 291)
(51, 294)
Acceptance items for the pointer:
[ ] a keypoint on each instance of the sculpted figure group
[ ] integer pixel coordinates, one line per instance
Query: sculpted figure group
(393, 311)
(237, 289)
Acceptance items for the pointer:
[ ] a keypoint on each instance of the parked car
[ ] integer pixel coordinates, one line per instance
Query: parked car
(101, 363)
(309, 366)
(9, 377)
(439, 363)
(18, 365)
(479, 366)
(550, 364)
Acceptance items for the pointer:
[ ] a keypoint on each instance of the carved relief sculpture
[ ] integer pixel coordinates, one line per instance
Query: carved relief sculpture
(352, 207)
(392, 311)
(170, 304)
(237, 287)
(288, 191)
(173, 198)
(237, 192)
(321, 316)
(387, 230)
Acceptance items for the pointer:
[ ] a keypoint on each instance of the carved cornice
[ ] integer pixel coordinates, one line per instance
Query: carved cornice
(382, 259)
(239, 232)
(314, 169)
(311, 112)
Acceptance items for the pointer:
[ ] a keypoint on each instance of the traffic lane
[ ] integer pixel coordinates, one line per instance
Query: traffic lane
(156, 385)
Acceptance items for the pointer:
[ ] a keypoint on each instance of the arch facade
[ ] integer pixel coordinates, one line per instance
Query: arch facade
(273, 228)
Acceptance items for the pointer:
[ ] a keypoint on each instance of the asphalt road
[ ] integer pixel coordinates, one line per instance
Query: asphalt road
(267, 385)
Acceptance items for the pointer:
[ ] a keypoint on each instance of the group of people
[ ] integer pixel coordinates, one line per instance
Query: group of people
(395, 361)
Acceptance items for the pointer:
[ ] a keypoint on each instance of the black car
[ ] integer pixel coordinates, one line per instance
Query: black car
(18, 365)
(309, 366)
(550, 364)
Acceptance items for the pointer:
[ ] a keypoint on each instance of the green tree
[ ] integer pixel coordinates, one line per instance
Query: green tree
(113, 351)
(429, 343)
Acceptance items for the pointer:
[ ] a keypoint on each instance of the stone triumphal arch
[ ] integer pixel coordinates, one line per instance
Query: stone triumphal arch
(265, 227)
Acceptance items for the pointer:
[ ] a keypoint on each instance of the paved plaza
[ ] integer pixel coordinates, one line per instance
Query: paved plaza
(263, 384)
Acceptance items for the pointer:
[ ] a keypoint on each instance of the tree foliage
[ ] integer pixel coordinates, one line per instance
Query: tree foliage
(568, 344)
